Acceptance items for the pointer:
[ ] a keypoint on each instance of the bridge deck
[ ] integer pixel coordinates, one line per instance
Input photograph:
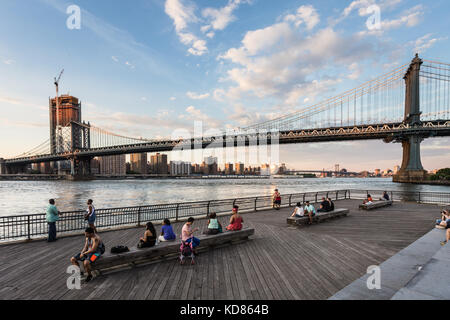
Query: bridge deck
(280, 262)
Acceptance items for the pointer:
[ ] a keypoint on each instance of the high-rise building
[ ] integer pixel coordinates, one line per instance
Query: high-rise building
(138, 163)
(209, 165)
(265, 170)
(377, 172)
(239, 168)
(229, 168)
(180, 168)
(113, 165)
(95, 166)
(158, 163)
(69, 110)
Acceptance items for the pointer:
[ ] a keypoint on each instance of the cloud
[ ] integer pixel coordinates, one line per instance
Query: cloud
(425, 42)
(115, 59)
(22, 103)
(219, 19)
(182, 14)
(197, 96)
(305, 14)
(8, 62)
(280, 61)
(172, 98)
(195, 114)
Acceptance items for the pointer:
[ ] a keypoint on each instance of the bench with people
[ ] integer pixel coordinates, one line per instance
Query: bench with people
(307, 214)
(153, 248)
(370, 204)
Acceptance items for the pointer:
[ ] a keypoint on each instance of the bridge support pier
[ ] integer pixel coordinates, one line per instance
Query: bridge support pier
(80, 169)
(411, 169)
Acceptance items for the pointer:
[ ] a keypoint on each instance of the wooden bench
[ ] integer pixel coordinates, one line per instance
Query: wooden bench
(375, 205)
(167, 249)
(319, 217)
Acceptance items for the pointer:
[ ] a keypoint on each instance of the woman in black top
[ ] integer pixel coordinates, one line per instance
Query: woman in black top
(149, 238)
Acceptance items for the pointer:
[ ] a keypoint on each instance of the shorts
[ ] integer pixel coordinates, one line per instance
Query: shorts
(438, 222)
(91, 257)
(277, 202)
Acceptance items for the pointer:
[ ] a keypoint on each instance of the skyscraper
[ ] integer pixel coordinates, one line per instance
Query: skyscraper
(158, 163)
(114, 165)
(138, 163)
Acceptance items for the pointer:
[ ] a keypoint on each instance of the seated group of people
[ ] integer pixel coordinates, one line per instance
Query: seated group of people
(94, 247)
(308, 209)
(444, 223)
(369, 199)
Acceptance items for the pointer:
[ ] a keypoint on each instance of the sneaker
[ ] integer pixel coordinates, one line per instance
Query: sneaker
(88, 278)
(443, 243)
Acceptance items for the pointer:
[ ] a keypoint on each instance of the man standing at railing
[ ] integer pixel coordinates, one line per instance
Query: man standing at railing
(52, 216)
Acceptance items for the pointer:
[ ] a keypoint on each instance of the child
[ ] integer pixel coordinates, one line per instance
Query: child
(167, 233)
(214, 226)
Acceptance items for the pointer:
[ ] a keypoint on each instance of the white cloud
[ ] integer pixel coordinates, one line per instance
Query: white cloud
(182, 14)
(8, 62)
(425, 42)
(197, 96)
(172, 98)
(195, 114)
(220, 18)
(305, 14)
(114, 58)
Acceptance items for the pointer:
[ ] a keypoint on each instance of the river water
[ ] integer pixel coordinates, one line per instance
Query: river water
(29, 197)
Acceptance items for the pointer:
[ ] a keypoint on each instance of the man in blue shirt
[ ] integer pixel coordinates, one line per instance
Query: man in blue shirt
(52, 216)
(310, 210)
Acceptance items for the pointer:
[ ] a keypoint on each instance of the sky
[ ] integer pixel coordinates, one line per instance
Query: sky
(149, 68)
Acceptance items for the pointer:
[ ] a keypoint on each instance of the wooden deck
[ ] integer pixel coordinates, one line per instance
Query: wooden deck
(279, 262)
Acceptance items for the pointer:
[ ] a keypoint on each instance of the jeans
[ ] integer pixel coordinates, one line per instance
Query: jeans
(51, 231)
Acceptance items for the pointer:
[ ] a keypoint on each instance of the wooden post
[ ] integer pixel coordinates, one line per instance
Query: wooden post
(139, 217)
(28, 227)
(256, 206)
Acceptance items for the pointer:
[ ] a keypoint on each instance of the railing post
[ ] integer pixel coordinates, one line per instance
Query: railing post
(139, 217)
(256, 205)
(392, 195)
(419, 196)
(207, 208)
(28, 227)
(176, 212)
(337, 195)
(290, 197)
(304, 197)
(316, 198)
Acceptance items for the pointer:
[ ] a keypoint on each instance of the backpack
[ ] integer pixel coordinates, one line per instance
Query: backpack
(119, 249)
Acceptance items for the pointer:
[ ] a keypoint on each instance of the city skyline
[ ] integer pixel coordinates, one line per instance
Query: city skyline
(148, 77)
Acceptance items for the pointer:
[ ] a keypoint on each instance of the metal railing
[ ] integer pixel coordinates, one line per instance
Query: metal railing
(35, 225)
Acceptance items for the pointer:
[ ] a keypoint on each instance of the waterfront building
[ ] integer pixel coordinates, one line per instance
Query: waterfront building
(95, 166)
(158, 163)
(180, 168)
(229, 168)
(113, 165)
(265, 170)
(239, 168)
(138, 163)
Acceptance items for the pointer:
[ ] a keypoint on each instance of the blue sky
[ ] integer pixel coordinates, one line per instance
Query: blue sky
(146, 68)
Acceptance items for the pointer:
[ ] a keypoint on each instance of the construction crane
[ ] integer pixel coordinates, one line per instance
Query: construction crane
(58, 128)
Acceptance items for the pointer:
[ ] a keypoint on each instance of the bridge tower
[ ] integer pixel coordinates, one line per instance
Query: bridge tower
(80, 167)
(2, 166)
(411, 169)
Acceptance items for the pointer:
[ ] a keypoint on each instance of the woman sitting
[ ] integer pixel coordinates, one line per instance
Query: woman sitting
(235, 221)
(167, 233)
(299, 212)
(368, 200)
(214, 226)
(444, 221)
(149, 238)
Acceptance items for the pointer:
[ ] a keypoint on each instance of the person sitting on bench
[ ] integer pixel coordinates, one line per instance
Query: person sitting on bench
(324, 206)
(368, 200)
(310, 211)
(187, 234)
(91, 252)
(214, 226)
(167, 233)
(299, 212)
(444, 221)
(385, 196)
(331, 204)
(149, 239)
(235, 220)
